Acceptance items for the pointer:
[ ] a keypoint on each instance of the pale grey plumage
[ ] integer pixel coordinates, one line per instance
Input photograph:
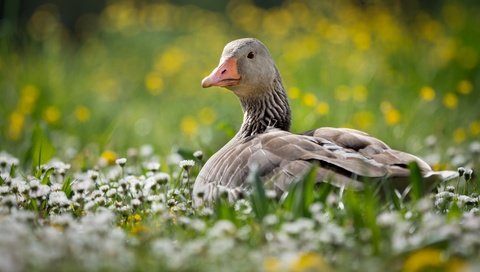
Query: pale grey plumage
(345, 156)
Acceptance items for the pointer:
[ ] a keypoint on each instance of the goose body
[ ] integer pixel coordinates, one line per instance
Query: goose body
(345, 156)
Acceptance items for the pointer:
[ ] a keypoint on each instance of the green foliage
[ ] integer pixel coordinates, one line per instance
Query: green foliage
(42, 149)
(363, 208)
(258, 197)
(300, 195)
(416, 181)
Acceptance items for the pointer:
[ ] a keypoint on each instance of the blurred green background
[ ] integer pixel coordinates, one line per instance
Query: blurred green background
(108, 75)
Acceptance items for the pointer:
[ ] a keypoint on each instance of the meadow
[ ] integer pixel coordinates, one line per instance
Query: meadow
(104, 130)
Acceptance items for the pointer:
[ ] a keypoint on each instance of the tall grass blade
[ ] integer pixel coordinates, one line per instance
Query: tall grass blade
(416, 181)
(258, 197)
(301, 195)
(42, 149)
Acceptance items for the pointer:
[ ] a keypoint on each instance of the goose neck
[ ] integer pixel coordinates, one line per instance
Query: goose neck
(268, 109)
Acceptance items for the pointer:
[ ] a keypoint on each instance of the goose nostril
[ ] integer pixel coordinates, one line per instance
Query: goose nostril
(224, 71)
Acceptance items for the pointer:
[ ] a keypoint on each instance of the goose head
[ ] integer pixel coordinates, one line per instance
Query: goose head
(245, 67)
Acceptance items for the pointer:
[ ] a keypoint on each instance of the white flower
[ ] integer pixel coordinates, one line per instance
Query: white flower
(158, 207)
(388, 219)
(56, 187)
(162, 178)
(58, 166)
(475, 147)
(152, 166)
(186, 164)
(82, 186)
(466, 200)
(7, 161)
(136, 202)
(270, 220)
(9, 200)
(62, 219)
(445, 194)
(111, 192)
(18, 185)
(121, 162)
(93, 174)
(431, 141)
(298, 226)
(58, 198)
(271, 194)
(4, 190)
(198, 154)
(146, 150)
(104, 188)
(222, 228)
(198, 225)
(41, 191)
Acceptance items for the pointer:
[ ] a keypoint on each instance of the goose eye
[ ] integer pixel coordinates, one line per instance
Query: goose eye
(250, 55)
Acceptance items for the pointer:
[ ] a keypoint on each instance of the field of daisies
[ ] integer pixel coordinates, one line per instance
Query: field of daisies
(130, 215)
(104, 127)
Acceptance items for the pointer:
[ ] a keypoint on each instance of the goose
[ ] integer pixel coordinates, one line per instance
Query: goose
(346, 158)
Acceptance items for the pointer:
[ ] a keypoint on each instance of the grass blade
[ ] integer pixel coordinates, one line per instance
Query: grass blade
(258, 197)
(416, 181)
(301, 195)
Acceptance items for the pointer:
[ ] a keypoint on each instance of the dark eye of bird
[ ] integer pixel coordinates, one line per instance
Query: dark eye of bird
(250, 55)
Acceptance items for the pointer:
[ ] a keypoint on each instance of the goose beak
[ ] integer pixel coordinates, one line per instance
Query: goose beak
(226, 74)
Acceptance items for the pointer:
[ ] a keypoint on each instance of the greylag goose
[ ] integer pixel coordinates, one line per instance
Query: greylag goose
(346, 157)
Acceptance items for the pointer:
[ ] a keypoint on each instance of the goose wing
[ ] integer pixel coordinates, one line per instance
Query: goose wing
(345, 156)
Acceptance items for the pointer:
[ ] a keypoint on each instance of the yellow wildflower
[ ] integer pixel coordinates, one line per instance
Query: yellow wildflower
(421, 260)
(450, 100)
(342, 93)
(15, 125)
(137, 218)
(29, 95)
(108, 157)
(309, 99)
(82, 113)
(138, 228)
(439, 166)
(362, 40)
(432, 259)
(271, 264)
(51, 114)
(427, 93)
(309, 261)
(475, 128)
(171, 61)
(430, 29)
(294, 93)
(154, 83)
(465, 87)
(277, 22)
(189, 126)
(207, 115)
(391, 115)
(459, 135)
(456, 265)
(360, 93)
(323, 108)
(363, 119)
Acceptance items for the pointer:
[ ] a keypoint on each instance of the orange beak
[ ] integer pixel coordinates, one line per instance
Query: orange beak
(226, 74)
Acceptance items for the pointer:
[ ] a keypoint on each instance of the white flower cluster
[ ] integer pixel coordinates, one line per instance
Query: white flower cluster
(60, 217)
